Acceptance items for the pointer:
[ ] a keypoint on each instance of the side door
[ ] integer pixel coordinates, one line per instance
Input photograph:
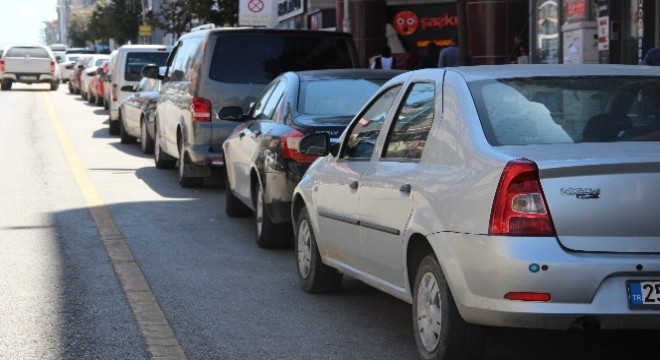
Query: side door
(132, 106)
(338, 192)
(245, 147)
(387, 189)
(167, 98)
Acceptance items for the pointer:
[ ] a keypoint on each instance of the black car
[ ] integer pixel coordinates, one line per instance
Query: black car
(262, 161)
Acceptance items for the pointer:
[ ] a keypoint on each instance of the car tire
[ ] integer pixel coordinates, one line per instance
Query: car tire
(234, 207)
(314, 276)
(146, 142)
(83, 95)
(125, 137)
(162, 160)
(99, 101)
(5, 85)
(269, 235)
(105, 104)
(55, 85)
(186, 181)
(440, 331)
(71, 89)
(113, 127)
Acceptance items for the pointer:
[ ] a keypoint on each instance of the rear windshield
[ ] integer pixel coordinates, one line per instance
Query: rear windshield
(259, 58)
(336, 96)
(135, 61)
(548, 110)
(35, 52)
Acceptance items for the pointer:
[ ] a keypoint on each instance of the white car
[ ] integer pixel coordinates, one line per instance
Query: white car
(508, 195)
(89, 72)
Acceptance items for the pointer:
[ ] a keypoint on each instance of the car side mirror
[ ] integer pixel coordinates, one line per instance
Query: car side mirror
(151, 72)
(127, 88)
(315, 144)
(231, 113)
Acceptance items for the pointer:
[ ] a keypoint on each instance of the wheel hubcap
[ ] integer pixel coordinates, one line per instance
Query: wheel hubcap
(429, 320)
(304, 249)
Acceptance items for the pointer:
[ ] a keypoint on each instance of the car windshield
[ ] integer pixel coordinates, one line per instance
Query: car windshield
(336, 96)
(548, 110)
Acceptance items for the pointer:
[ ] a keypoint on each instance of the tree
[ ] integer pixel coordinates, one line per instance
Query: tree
(177, 16)
(123, 20)
(78, 27)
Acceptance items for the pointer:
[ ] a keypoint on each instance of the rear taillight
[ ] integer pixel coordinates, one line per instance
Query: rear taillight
(519, 207)
(2, 65)
(52, 66)
(289, 143)
(114, 93)
(201, 109)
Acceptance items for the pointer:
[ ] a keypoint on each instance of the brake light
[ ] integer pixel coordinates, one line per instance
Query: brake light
(114, 93)
(201, 109)
(52, 66)
(519, 207)
(289, 144)
(2, 65)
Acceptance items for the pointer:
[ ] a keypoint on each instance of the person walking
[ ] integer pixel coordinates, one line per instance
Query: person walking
(652, 57)
(385, 60)
(450, 56)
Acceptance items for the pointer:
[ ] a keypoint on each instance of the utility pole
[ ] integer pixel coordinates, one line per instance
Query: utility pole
(461, 13)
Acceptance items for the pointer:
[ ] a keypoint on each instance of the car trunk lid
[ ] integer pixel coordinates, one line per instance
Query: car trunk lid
(601, 197)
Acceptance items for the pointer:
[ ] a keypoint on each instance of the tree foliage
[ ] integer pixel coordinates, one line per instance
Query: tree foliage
(123, 20)
(78, 27)
(178, 16)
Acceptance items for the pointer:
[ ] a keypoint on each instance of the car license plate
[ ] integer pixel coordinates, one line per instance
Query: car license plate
(28, 78)
(644, 294)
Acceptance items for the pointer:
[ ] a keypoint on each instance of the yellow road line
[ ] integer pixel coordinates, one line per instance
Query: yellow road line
(157, 332)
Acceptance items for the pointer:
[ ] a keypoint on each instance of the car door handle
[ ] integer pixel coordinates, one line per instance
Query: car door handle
(405, 188)
(353, 185)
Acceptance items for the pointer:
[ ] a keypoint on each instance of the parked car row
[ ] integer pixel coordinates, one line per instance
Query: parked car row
(510, 195)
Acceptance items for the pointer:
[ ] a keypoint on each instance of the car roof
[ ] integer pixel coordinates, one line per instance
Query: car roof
(346, 73)
(484, 72)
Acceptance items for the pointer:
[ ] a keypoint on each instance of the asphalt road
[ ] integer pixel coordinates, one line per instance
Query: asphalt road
(222, 297)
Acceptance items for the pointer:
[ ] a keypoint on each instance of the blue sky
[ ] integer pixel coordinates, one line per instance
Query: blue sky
(21, 21)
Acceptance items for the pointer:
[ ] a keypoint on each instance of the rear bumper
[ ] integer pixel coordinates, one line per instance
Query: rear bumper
(584, 287)
(28, 78)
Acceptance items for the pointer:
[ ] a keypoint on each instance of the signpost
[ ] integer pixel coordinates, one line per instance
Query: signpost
(261, 13)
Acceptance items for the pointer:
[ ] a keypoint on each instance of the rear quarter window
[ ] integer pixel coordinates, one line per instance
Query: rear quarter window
(260, 57)
(135, 61)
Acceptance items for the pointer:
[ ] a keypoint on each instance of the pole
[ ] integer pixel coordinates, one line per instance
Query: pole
(347, 16)
(462, 31)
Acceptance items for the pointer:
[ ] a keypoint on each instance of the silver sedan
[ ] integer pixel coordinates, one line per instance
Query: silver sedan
(513, 195)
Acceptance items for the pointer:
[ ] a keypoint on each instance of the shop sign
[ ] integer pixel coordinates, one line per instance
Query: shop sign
(603, 33)
(575, 10)
(424, 26)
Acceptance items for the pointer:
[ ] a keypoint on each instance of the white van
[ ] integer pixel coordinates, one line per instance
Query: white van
(126, 69)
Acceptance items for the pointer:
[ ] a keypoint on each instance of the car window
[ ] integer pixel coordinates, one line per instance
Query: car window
(361, 139)
(329, 96)
(258, 107)
(135, 61)
(411, 126)
(263, 56)
(20, 51)
(549, 110)
(273, 100)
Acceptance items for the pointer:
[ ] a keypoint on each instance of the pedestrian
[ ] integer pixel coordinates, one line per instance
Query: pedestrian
(519, 49)
(385, 60)
(450, 56)
(652, 57)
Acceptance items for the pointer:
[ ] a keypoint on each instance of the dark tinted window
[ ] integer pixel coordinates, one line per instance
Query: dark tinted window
(135, 61)
(336, 96)
(35, 52)
(259, 58)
